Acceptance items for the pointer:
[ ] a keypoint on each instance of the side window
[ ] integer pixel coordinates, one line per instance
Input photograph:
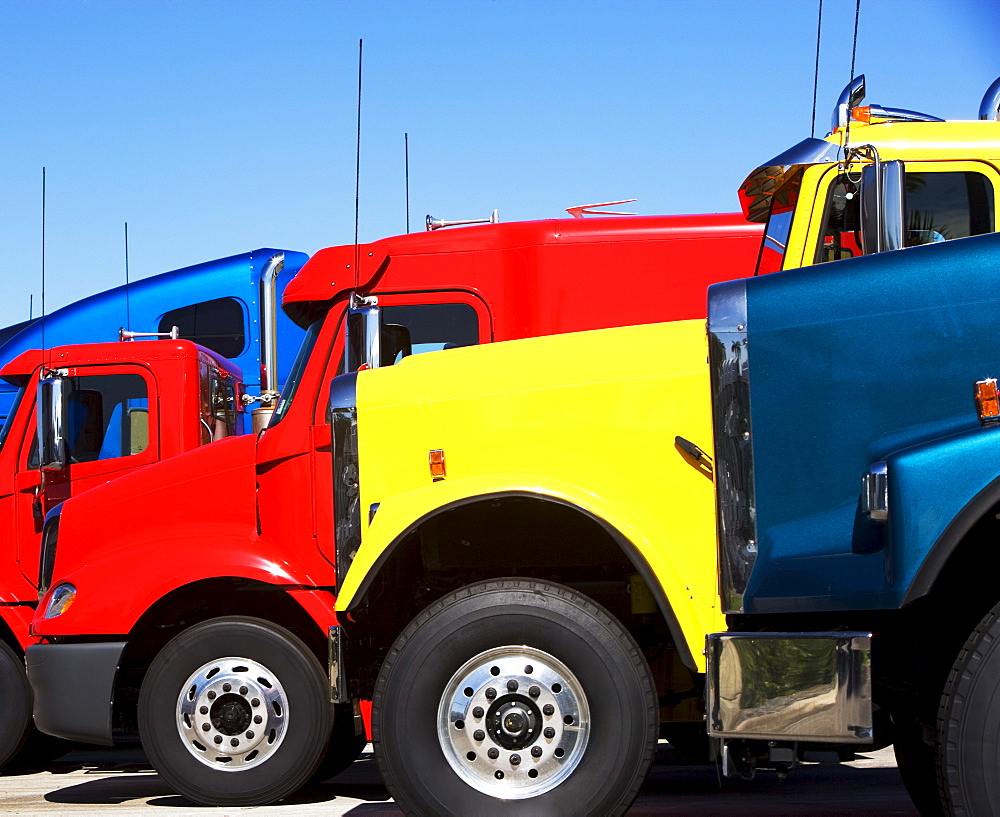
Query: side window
(218, 325)
(107, 417)
(414, 329)
(942, 206)
(938, 207)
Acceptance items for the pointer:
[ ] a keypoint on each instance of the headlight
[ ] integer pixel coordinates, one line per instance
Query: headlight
(60, 601)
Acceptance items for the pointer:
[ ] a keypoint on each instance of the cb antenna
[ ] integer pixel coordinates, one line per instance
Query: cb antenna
(357, 177)
(128, 311)
(43, 265)
(406, 152)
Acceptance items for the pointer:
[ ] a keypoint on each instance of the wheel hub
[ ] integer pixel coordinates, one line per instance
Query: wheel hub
(513, 722)
(232, 713)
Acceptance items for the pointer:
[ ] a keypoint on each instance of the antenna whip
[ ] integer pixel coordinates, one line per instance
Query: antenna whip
(819, 29)
(357, 177)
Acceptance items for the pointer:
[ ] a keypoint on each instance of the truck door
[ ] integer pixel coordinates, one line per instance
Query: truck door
(112, 422)
(410, 324)
(942, 200)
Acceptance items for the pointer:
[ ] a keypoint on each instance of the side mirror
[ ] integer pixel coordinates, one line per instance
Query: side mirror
(882, 208)
(363, 334)
(51, 421)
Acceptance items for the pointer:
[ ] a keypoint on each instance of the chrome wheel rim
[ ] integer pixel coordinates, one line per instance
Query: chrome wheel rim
(232, 714)
(513, 722)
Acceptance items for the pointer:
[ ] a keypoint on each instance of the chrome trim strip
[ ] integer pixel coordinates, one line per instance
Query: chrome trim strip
(875, 493)
(338, 683)
(734, 483)
(790, 686)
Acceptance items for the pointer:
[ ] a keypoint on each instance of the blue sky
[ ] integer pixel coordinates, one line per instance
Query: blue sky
(214, 126)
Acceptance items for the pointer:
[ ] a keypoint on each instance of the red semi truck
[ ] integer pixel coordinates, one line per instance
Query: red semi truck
(126, 405)
(242, 533)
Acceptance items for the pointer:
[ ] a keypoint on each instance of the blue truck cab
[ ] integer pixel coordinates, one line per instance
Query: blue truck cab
(230, 305)
(858, 495)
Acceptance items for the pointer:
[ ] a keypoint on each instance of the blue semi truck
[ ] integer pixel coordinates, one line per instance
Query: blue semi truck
(229, 305)
(857, 468)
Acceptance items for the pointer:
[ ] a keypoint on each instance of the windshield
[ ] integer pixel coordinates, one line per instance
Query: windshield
(9, 419)
(295, 375)
(779, 225)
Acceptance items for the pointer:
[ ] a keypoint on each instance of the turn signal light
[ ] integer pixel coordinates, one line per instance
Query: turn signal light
(987, 401)
(436, 460)
(862, 114)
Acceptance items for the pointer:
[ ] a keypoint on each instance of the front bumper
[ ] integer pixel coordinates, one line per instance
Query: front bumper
(73, 685)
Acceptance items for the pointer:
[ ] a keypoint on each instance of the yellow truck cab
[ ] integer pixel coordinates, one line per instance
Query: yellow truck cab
(883, 179)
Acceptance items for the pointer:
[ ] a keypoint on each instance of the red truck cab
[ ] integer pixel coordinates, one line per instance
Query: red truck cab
(126, 405)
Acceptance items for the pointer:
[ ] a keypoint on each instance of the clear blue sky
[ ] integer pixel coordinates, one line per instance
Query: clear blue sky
(217, 127)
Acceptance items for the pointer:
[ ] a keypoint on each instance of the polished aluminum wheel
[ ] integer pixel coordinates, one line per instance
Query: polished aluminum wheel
(513, 722)
(232, 713)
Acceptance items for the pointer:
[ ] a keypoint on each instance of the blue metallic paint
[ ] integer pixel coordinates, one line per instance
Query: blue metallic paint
(853, 362)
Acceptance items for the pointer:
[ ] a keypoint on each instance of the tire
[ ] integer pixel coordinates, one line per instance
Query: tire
(235, 679)
(968, 751)
(433, 707)
(345, 746)
(15, 711)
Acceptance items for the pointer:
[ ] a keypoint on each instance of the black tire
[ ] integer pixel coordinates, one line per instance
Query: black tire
(968, 752)
(235, 679)
(560, 647)
(15, 710)
(345, 746)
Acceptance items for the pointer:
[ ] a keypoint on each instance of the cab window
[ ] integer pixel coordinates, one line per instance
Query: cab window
(107, 416)
(412, 329)
(218, 325)
(938, 206)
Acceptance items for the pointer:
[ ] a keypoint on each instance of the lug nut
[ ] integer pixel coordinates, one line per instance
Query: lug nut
(235, 742)
(534, 691)
(211, 696)
(490, 694)
(227, 687)
(253, 702)
(258, 719)
(243, 690)
(203, 710)
(548, 709)
(515, 760)
(493, 754)
(479, 734)
(218, 738)
(536, 751)
(512, 685)
(477, 712)
(549, 732)
(205, 727)
(249, 735)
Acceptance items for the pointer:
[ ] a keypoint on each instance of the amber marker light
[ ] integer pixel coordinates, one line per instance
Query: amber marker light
(436, 459)
(987, 401)
(862, 114)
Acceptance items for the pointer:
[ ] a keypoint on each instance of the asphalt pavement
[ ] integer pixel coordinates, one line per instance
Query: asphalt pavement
(120, 782)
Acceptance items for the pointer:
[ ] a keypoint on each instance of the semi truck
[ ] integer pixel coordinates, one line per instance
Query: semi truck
(125, 406)
(348, 553)
(224, 562)
(229, 305)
